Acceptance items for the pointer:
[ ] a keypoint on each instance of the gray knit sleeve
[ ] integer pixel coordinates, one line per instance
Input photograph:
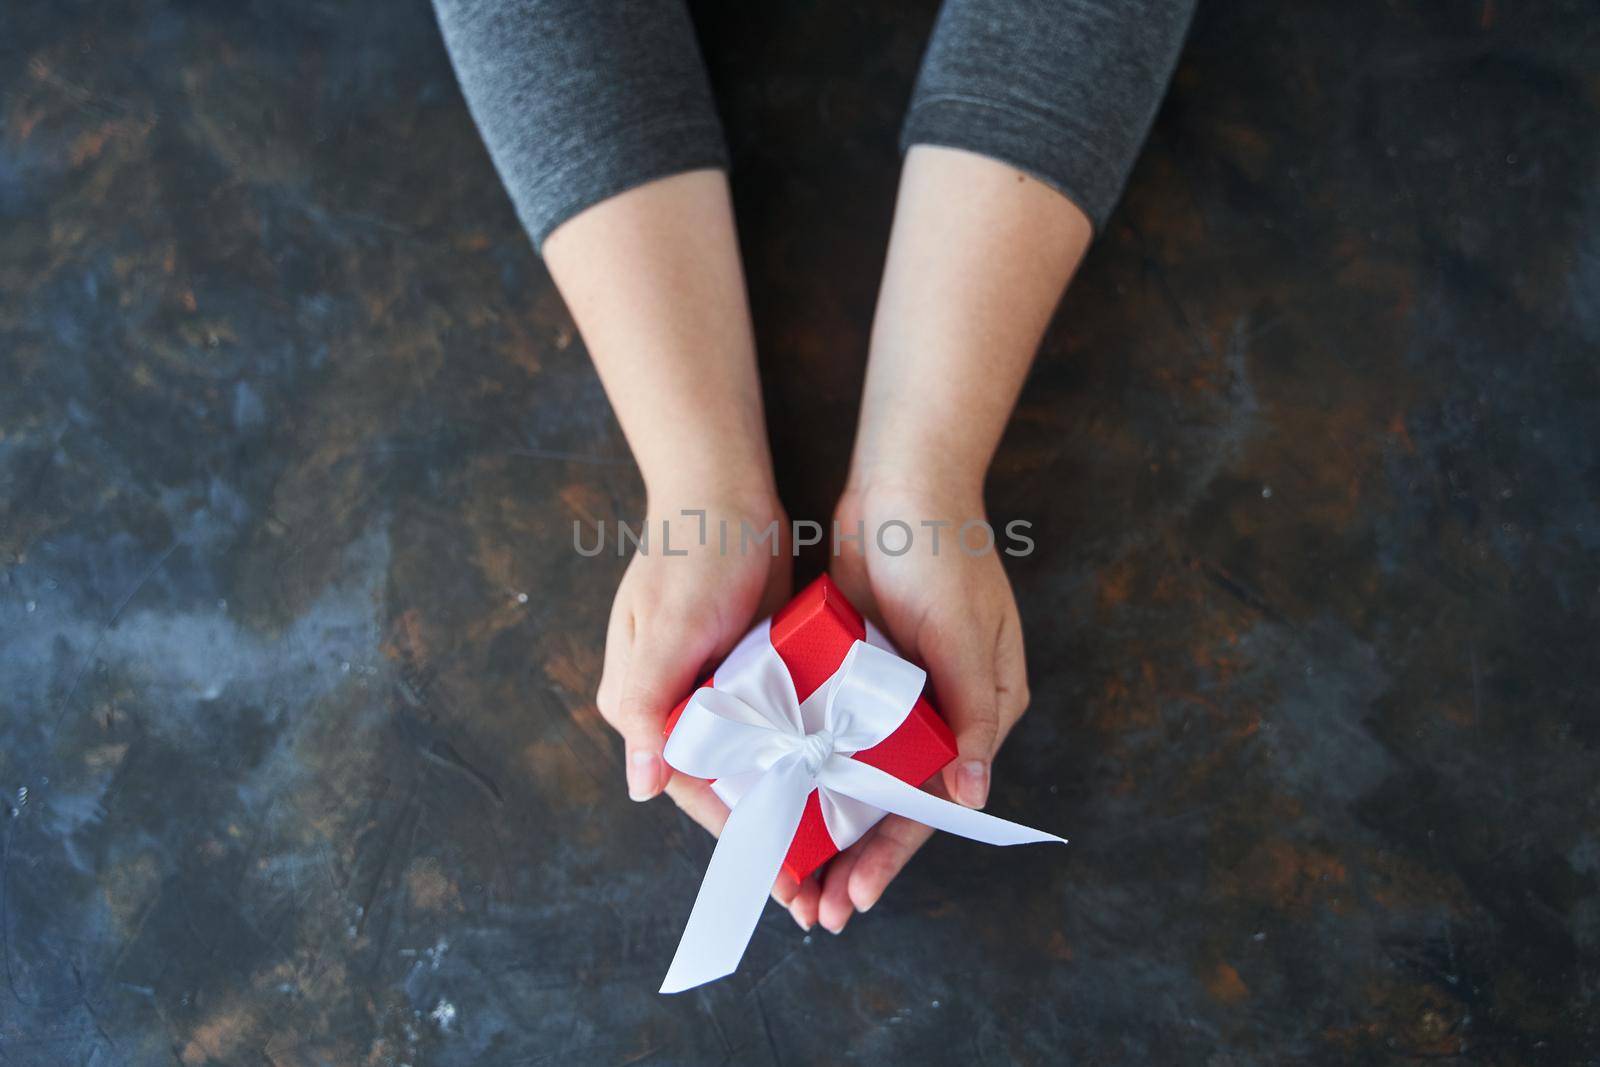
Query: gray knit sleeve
(1063, 89)
(580, 100)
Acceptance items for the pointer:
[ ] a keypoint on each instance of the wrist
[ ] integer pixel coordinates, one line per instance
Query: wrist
(717, 488)
(928, 482)
(917, 501)
(712, 473)
(914, 452)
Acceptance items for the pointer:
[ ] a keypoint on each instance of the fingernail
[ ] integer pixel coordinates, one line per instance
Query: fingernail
(801, 923)
(863, 899)
(644, 774)
(973, 779)
(835, 930)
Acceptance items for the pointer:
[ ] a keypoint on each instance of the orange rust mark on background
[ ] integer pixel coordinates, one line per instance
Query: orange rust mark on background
(429, 888)
(564, 771)
(406, 641)
(1225, 985)
(1059, 948)
(575, 667)
(89, 144)
(219, 1035)
(1115, 584)
(1288, 876)
(588, 504)
(1249, 148)
(23, 122)
(1397, 430)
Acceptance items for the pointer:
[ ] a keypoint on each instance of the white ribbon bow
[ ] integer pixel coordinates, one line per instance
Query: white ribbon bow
(767, 751)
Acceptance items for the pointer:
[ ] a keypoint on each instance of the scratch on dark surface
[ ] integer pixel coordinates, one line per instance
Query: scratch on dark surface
(1202, 345)
(405, 819)
(88, 1007)
(132, 939)
(5, 910)
(761, 979)
(80, 95)
(703, 1004)
(445, 754)
(766, 1025)
(1238, 590)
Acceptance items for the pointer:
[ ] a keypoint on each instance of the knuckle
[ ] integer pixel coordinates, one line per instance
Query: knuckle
(641, 711)
(875, 871)
(605, 700)
(985, 728)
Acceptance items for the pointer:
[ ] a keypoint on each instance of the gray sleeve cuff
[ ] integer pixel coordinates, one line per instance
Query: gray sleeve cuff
(1065, 90)
(607, 166)
(1067, 162)
(579, 101)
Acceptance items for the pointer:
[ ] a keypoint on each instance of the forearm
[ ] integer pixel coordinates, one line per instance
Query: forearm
(1039, 108)
(653, 280)
(978, 258)
(600, 121)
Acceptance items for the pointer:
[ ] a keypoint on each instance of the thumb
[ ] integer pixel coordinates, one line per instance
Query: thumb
(962, 670)
(661, 670)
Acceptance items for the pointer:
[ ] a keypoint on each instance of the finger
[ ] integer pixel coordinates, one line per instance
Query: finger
(785, 888)
(804, 905)
(695, 797)
(1011, 676)
(961, 666)
(833, 906)
(661, 669)
(614, 668)
(883, 855)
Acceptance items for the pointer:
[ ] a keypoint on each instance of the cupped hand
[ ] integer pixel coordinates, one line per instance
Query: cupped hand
(675, 616)
(953, 612)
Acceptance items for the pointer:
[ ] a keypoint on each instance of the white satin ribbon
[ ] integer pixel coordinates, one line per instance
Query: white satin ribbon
(767, 752)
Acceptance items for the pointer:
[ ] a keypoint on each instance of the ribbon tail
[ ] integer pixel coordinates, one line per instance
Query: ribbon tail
(739, 878)
(872, 786)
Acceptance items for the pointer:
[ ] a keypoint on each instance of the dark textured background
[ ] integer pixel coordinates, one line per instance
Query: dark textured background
(291, 420)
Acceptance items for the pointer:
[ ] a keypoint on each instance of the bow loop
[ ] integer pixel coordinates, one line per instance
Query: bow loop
(870, 696)
(720, 736)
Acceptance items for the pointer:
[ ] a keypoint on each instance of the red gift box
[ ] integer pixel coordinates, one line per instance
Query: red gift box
(812, 634)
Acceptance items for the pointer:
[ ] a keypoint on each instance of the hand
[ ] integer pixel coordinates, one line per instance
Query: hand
(955, 614)
(676, 616)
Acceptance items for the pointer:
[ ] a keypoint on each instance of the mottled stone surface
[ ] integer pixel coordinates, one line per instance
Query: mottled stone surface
(297, 663)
